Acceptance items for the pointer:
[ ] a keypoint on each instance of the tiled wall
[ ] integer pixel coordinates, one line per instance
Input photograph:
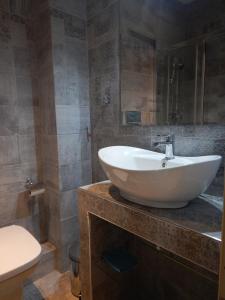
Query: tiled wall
(206, 23)
(17, 125)
(71, 92)
(206, 17)
(44, 114)
(147, 28)
(61, 85)
(44, 110)
(104, 64)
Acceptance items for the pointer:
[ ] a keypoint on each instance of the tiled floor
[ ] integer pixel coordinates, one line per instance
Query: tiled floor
(54, 286)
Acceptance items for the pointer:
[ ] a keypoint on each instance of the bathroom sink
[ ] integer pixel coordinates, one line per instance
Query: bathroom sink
(141, 177)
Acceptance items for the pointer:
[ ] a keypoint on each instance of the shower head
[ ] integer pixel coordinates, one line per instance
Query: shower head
(180, 66)
(177, 66)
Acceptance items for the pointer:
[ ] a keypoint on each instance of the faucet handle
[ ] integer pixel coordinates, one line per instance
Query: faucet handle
(170, 138)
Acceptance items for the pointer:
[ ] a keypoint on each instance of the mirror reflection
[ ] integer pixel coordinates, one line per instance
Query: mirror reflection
(172, 67)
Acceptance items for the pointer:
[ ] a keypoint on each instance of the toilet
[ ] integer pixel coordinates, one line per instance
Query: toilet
(19, 254)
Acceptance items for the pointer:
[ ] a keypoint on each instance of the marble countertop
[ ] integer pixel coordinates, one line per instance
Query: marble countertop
(192, 232)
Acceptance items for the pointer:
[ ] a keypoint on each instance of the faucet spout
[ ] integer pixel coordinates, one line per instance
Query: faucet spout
(169, 153)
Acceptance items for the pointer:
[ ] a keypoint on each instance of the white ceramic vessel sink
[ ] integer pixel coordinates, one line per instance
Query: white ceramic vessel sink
(140, 177)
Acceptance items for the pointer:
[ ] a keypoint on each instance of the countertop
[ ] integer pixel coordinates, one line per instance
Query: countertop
(192, 232)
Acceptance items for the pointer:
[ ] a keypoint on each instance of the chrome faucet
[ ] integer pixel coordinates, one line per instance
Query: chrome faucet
(169, 143)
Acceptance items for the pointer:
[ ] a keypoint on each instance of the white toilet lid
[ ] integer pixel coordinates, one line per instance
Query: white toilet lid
(19, 251)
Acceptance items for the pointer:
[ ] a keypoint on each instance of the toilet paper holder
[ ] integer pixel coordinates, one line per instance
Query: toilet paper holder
(34, 189)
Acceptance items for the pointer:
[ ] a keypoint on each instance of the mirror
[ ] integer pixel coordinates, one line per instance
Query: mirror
(172, 62)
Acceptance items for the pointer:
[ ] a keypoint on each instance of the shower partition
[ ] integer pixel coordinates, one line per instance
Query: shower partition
(195, 80)
(185, 84)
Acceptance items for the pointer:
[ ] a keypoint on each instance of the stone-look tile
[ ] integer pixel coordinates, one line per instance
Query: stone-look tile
(135, 61)
(50, 123)
(43, 216)
(64, 262)
(70, 230)
(69, 119)
(103, 114)
(70, 176)
(74, 175)
(104, 26)
(51, 156)
(58, 29)
(20, 9)
(164, 228)
(9, 120)
(197, 147)
(24, 91)
(70, 234)
(27, 148)
(95, 7)
(6, 62)
(29, 169)
(104, 88)
(199, 23)
(75, 8)
(83, 93)
(73, 148)
(63, 224)
(65, 93)
(7, 88)
(17, 209)
(85, 147)
(9, 152)
(59, 65)
(84, 118)
(11, 179)
(204, 131)
(68, 204)
(54, 217)
(5, 34)
(74, 26)
(18, 150)
(4, 5)
(8, 204)
(69, 148)
(53, 286)
(72, 118)
(86, 177)
(26, 124)
(22, 61)
(104, 70)
(18, 34)
(61, 101)
(51, 174)
(76, 57)
(104, 58)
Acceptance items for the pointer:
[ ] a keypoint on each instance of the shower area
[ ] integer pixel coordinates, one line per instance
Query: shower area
(193, 94)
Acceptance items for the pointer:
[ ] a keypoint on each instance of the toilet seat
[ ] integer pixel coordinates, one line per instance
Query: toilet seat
(19, 251)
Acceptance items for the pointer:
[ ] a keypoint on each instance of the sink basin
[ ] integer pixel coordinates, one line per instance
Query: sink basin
(140, 177)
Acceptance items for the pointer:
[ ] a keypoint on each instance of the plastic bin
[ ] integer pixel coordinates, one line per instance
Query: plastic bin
(74, 255)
